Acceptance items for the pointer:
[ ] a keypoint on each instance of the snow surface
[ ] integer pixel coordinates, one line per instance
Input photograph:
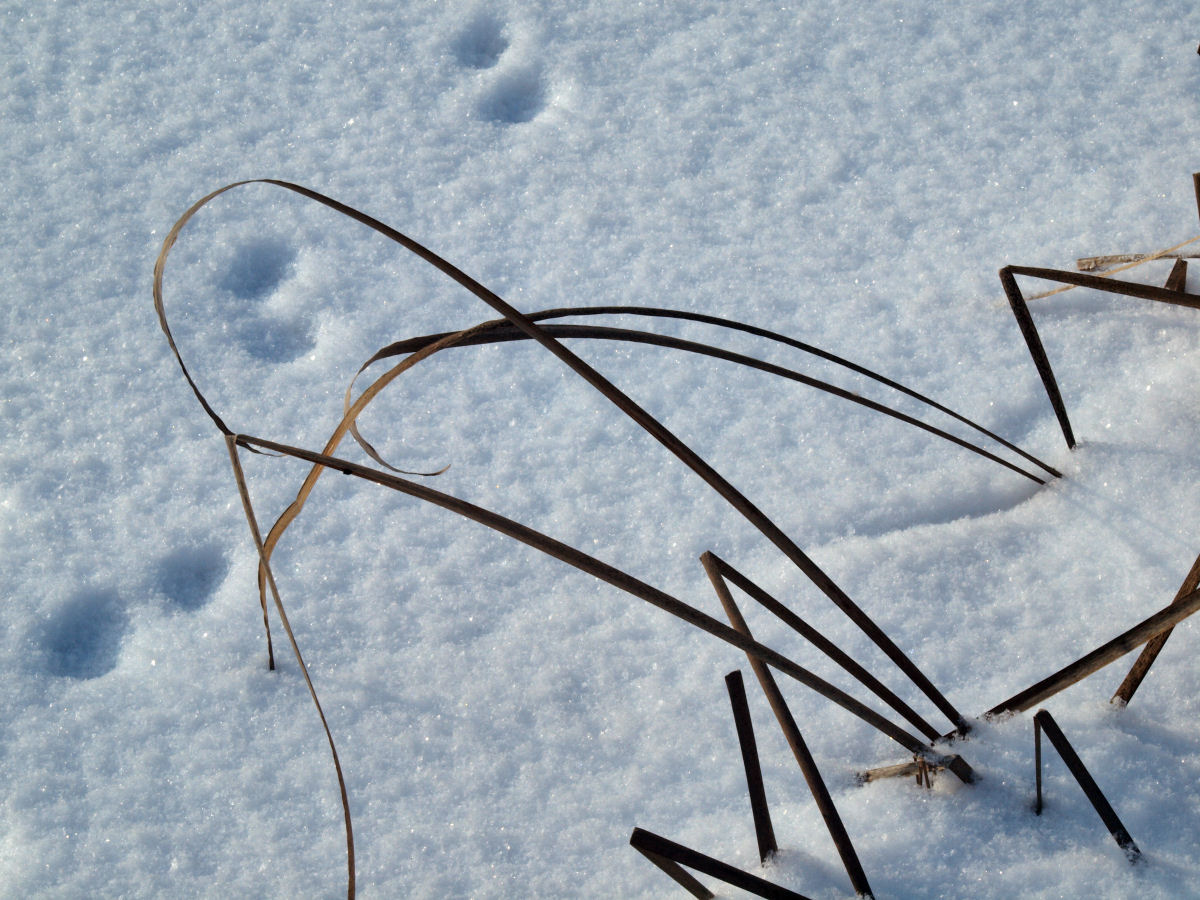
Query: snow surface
(850, 173)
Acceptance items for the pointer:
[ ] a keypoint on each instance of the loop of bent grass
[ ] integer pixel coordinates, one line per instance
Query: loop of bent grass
(518, 326)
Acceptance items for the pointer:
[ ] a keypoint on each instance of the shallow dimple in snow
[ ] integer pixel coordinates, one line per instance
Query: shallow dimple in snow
(480, 44)
(515, 96)
(83, 637)
(257, 268)
(188, 576)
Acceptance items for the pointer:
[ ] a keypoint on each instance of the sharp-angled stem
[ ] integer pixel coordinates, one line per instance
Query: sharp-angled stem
(1079, 279)
(1154, 646)
(1109, 285)
(1033, 341)
(1107, 653)
(678, 874)
(651, 844)
(1045, 722)
(826, 646)
(791, 732)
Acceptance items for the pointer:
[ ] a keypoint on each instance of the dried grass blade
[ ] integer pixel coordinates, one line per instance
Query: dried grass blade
(602, 571)
(1157, 624)
(1101, 263)
(501, 332)
(232, 444)
(346, 425)
(623, 402)
(734, 325)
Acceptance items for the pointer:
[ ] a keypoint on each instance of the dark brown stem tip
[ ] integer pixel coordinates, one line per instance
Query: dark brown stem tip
(959, 767)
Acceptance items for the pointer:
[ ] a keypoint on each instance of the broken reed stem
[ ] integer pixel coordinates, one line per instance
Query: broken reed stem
(763, 830)
(915, 767)
(1177, 279)
(791, 732)
(825, 645)
(1099, 263)
(244, 492)
(1037, 766)
(1110, 285)
(1156, 624)
(1029, 331)
(1133, 259)
(1043, 721)
(1154, 646)
(652, 845)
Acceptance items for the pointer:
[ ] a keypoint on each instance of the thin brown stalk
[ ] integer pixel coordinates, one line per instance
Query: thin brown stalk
(231, 444)
(602, 571)
(1141, 667)
(1157, 624)
(795, 740)
(649, 423)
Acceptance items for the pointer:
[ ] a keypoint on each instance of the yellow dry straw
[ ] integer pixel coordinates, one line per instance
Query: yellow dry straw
(1142, 260)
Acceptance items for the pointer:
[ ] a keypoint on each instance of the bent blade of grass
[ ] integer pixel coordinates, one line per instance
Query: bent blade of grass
(502, 332)
(244, 492)
(725, 489)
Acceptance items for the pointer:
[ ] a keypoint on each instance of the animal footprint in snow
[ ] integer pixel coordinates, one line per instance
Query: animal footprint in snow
(481, 43)
(257, 268)
(516, 96)
(515, 92)
(83, 637)
(187, 577)
(256, 273)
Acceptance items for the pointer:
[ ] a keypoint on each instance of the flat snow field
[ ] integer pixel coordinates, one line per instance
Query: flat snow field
(850, 174)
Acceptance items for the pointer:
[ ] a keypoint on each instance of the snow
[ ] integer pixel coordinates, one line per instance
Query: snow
(850, 174)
